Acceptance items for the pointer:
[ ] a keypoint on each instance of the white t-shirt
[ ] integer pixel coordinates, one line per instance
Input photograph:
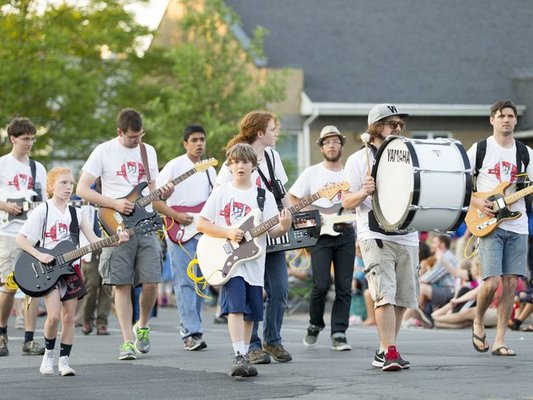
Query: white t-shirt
(57, 225)
(499, 165)
(192, 191)
(226, 206)
(355, 171)
(224, 175)
(313, 179)
(120, 167)
(16, 176)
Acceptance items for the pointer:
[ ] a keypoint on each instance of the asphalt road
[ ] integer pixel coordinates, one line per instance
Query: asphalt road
(444, 366)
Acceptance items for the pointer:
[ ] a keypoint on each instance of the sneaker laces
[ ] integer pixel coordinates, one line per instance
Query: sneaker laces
(143, 334)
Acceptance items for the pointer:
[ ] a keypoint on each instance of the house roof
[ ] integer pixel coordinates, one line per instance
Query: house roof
(400, 51)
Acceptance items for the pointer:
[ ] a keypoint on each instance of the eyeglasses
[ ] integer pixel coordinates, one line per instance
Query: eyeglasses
(394, 124)
(334, 142)
(28, 139)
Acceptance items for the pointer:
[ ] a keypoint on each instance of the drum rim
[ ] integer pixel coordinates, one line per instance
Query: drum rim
(408, 215)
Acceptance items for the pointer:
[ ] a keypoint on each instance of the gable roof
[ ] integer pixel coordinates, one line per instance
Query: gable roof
(399, 51)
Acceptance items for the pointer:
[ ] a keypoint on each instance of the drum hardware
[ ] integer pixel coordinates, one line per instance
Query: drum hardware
(416, 170)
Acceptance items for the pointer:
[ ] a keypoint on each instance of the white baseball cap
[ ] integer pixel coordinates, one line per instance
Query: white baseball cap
(381, 111)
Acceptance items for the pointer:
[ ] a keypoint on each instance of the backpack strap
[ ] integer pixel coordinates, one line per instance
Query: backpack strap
(261, 198)
(481, 150)
(74, 226)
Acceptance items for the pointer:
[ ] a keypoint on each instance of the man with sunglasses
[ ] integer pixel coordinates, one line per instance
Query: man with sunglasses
(120, 165)
(337, 249)
(16, 176)
(390, 259)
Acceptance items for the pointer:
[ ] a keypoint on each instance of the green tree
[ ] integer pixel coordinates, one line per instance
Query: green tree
(207, 78)
(68, 68)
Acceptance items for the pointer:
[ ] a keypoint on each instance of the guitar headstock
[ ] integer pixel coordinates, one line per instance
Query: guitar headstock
(148, 226)
(205, 164)
(330, 191)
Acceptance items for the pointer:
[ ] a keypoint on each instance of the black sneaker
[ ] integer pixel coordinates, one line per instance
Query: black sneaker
(339, 342)
(312, 335)
(392, 360)
(379, 360)
(241, 367)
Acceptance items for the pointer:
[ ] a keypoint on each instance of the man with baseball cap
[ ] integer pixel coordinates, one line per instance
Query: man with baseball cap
(390, 259)
(337, 249)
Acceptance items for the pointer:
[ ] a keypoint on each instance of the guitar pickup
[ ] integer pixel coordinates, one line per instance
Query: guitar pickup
(487, 223)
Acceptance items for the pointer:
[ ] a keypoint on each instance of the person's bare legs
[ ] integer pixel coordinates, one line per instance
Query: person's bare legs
(483, 300)
(124, 310)
(146, 303)
(509, 283)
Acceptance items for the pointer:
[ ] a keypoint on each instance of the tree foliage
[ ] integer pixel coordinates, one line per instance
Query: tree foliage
(207, 78)
(53, 72)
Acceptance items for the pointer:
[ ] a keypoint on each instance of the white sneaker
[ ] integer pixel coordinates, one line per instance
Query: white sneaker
(47, 365)
(64, 368)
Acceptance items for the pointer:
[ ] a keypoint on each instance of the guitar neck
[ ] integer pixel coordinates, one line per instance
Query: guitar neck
(155, 195)
(78, 253)
(268, 224)
(514, 197)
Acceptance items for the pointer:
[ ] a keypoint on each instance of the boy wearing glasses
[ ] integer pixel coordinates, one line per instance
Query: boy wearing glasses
(339, 250)
(390, 259)
(120, 165)
(16, 176)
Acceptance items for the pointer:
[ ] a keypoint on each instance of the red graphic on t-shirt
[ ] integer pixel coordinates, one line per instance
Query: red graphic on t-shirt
(132, 171)
(233, 211)
(504, 171)
(22, 182)
(58, 231)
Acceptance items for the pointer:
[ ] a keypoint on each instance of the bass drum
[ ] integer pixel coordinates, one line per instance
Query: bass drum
(421, 185)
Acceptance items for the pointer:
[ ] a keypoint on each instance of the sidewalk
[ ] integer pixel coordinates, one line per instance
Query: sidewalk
(444, 366)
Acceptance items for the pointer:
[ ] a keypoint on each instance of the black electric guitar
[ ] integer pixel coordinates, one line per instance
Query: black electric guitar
(481, 224)
(36, 279)
(113, 221)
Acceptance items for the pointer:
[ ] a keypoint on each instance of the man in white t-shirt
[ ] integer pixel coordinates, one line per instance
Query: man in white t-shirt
(339, 250)
(119, 164)
(15, 181)
(503, 252)
(183, 207)
(391, 260)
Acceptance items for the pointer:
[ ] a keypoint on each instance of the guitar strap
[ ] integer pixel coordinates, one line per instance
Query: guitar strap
(36, 185)
(261, 198)
(144, 158)
(275, 186)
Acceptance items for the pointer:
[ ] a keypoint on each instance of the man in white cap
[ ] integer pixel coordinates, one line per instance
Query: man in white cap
(390, 259)
(330, 248)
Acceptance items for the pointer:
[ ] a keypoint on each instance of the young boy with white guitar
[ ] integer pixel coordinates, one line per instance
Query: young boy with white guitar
(21, 179)
(242, 294)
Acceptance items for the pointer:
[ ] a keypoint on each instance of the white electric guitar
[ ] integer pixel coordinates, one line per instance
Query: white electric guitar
(23, 198)
(219, 258)
(330, 220)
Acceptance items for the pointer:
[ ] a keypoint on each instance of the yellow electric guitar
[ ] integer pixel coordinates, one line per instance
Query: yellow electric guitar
(481, 224)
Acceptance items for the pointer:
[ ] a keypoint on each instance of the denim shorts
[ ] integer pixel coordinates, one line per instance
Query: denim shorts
(503, 253)
(239, 297)
(391, 272)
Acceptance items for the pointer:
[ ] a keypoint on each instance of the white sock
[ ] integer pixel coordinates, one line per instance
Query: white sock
(238, 347)
(246, 348)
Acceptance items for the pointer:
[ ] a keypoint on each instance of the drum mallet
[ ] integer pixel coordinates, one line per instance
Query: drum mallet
(365, 138)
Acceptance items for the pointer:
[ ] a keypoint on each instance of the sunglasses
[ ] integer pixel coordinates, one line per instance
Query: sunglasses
(395, 124)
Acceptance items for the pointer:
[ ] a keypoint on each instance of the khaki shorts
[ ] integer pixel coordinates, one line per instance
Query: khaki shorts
(392, 273)
(9, 251)
(134, 262)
